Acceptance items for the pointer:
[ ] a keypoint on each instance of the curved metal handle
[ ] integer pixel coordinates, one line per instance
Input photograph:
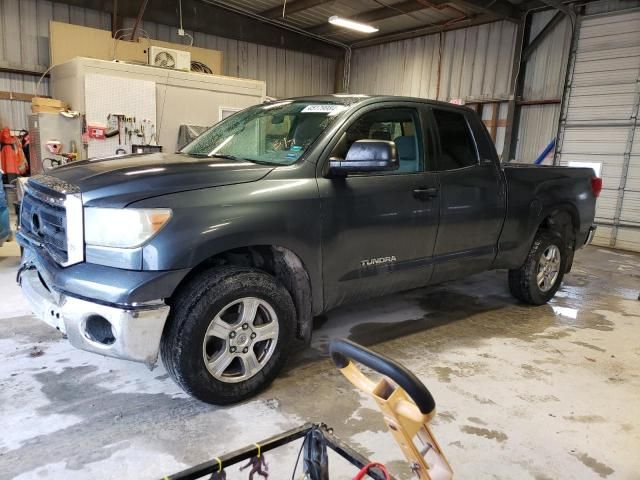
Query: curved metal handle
(343, 351)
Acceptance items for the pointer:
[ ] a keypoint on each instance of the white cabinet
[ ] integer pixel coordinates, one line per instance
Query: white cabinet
(181, 97)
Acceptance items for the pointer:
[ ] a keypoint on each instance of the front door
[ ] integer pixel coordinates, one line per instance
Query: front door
(379, 229)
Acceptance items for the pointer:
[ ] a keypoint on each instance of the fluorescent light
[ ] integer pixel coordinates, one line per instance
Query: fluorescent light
(346, 23)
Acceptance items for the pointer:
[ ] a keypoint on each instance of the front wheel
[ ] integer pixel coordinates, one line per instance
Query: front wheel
(229, 334)
(540, 277)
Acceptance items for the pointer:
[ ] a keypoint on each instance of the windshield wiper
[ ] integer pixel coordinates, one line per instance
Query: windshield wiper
(206, 155)
(242, 159)
(231, 157)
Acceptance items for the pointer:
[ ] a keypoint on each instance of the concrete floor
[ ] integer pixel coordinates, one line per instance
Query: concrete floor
(523, 392)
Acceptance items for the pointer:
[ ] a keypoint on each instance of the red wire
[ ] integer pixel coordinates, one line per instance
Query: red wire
(361, 474)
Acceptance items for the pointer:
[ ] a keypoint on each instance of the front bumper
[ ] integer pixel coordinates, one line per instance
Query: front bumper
(134, 332)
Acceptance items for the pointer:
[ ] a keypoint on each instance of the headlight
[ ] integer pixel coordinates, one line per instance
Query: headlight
(123, 227)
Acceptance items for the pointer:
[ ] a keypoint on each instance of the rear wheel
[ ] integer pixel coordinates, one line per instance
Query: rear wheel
(540, 277)
(229, 334)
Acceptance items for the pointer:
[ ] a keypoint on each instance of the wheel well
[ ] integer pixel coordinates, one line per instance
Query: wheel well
(278, 261)
(565, 222)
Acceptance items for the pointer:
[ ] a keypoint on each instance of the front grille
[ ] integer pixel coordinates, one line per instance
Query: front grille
(43, 219)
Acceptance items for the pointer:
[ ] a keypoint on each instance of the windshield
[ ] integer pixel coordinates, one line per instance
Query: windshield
(276, 133)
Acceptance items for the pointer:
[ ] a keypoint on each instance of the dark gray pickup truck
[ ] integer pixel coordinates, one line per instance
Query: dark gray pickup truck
(219, 256)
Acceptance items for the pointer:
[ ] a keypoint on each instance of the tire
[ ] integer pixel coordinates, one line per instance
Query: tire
(524, 283)
(205, 327)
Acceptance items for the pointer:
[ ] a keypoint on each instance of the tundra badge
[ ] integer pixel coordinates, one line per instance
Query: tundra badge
(377, 261)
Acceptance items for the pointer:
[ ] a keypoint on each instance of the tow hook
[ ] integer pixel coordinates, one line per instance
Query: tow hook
(23, 267)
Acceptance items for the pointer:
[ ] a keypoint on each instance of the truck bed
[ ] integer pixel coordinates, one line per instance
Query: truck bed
(533, 193)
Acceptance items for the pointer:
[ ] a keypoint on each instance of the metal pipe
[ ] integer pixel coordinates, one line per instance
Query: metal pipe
(220, 463)
(545, 152)
(114, 18)
(143, 7)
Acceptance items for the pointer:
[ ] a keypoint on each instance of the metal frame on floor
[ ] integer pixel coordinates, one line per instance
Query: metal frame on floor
(306, 431)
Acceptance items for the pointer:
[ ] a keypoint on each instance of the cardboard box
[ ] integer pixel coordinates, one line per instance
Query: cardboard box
(47, 105)
(67, 42)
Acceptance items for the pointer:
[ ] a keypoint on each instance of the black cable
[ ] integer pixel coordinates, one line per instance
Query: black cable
(295, 467)
(200, 67)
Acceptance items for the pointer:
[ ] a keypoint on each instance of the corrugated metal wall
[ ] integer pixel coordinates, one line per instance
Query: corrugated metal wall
(607, 6)
(475, 64)
(24, 43)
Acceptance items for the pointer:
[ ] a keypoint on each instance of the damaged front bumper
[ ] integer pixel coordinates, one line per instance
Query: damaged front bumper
(128, 333)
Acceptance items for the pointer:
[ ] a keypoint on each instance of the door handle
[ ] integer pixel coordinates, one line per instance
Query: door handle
(425, 193)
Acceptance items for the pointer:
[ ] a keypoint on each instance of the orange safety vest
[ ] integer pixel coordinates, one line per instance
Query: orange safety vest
(12, 156)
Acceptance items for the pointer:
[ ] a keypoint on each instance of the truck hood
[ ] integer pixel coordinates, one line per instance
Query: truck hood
(119, 181)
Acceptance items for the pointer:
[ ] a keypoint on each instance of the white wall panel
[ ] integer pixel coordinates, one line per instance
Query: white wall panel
(538, 126)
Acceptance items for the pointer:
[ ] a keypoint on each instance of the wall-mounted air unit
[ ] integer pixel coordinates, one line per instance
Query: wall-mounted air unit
(169, 58)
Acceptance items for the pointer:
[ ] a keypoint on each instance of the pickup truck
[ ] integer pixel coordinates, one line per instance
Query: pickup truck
(219, 256)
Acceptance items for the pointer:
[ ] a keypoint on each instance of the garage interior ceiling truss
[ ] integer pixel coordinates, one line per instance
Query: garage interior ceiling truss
(394, 19)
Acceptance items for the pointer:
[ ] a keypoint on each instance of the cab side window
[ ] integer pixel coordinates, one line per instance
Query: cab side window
(457, 148)
(398, 125)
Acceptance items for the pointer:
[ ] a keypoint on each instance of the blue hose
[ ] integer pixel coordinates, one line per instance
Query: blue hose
(545, 152)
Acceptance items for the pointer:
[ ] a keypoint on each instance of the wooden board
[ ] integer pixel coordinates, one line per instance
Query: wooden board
(47, 105)
(69, 41)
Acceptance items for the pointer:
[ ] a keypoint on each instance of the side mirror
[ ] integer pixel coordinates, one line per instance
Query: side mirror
(366, 156)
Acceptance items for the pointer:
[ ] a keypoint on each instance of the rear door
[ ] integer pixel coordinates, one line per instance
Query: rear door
(471, 198)
(379, 229)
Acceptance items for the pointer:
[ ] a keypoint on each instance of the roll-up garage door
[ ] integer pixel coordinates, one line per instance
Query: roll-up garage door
(599, 122)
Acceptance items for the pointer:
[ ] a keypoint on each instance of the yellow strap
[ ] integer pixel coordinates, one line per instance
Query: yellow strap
(219, 464)
(258, 445)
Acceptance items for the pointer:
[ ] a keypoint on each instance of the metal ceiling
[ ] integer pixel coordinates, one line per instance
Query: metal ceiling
(393, 18)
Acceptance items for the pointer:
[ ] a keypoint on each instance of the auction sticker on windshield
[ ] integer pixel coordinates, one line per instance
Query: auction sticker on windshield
(323, 108)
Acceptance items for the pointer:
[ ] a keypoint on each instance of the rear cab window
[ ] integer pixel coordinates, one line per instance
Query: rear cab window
(457, 145)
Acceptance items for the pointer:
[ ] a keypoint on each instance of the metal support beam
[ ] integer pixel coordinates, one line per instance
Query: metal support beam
(500, 8)
(292, 7)
(546, 30)
(419, 32)
(517, 81)
(37, 72)
(395, 10)
(544, 101)
(566, 9)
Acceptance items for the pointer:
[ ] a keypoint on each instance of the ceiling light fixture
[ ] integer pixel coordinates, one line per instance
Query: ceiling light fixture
(352, 25)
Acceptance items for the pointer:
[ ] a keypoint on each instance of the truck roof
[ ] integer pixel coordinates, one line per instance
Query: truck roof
(355, 98)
